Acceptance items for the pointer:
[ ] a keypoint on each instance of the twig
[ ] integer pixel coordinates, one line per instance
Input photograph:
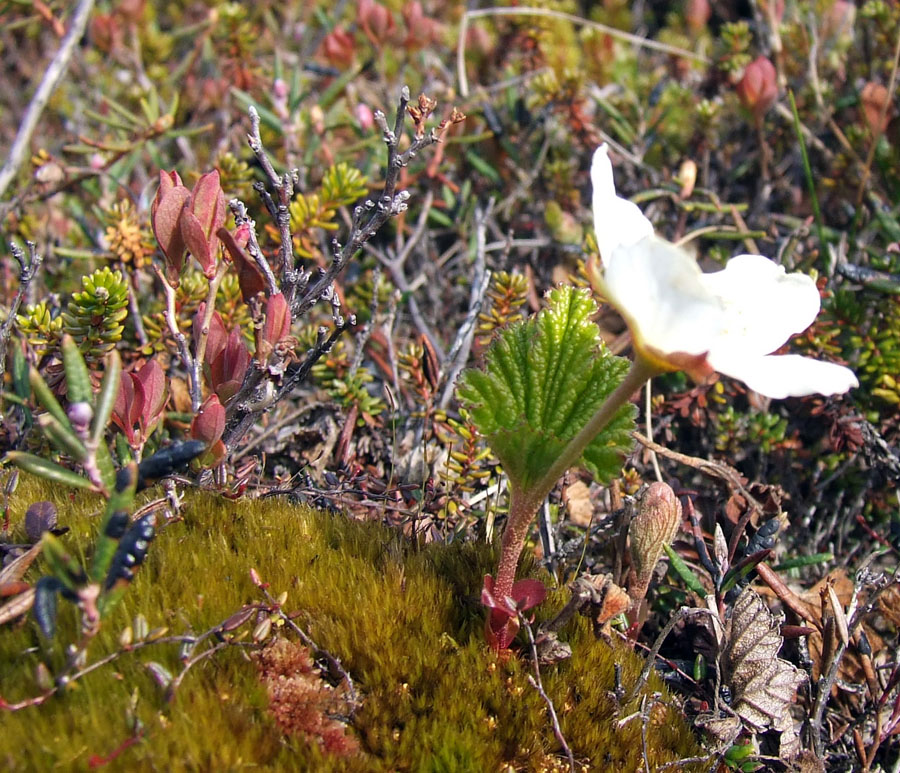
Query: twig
(239, 210)
(714, 469)
(481, 278)
(648, 422)
(333, 661)
(855, 615)
(398, 276)
(680, 613)
(55, 71)
(208, 311)
(258, 392)
(535, 681)
(189, 363)
(27, 272)
(645, 718)
(280, 212)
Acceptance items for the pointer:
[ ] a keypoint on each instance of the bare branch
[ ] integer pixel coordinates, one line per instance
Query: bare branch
(55, 71)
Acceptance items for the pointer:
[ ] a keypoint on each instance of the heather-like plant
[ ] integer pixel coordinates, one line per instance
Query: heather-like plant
(78, 432)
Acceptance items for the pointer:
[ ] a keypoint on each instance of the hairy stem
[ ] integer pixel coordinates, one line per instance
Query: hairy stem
(524, 503)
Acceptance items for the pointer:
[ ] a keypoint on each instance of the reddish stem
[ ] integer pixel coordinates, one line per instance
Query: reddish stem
(521, 512)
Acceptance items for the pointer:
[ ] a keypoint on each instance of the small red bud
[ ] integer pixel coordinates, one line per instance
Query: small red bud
(875, 106)
(338, 48)
(758, 87)
(365, 116)
(376, 21)
(696, 14)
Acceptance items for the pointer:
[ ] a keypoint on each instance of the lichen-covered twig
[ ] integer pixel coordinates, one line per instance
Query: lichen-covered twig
(481, 279)
(302, 289)
(190, 363)
(27, 271)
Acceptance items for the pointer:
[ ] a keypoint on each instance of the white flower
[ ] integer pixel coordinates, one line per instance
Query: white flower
(728, 321)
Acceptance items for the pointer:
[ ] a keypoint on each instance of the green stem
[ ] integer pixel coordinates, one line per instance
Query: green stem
(523, 504)
(640, 372)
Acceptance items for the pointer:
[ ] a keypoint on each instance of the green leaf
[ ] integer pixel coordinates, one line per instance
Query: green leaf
(46, 397)
(64, 567)
(78, 380)
(48, 470)
(684, 572)
(63, 437)
(106, 398)
(542, 380)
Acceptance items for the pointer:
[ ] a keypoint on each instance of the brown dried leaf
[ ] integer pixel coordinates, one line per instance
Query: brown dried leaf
(15, 569)
(577, 497)
(763, 685)
(17, 606)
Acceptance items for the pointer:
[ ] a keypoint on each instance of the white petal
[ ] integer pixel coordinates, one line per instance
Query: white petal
(658, 289)
(617, 221)
(765, 306)
(788, 375)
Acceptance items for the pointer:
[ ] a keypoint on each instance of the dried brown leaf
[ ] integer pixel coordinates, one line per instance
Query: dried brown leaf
(763, 686)
(16, 606)
(15, 569)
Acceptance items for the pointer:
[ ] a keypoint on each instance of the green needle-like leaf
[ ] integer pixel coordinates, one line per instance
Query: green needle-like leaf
(542, 380)
(46, 397)
(78, 380)
(106, 398)
(62, 564)
(44, 468)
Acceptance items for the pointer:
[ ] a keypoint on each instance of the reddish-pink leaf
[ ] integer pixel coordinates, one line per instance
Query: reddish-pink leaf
(250, 277)
(196, 242)
(528, 593)
(152, 379)
(208, 204)
(165, 220)
(217, 337)
(167, 181)
(278, 319)
(127, 407)
(226, 371)
(209, 423)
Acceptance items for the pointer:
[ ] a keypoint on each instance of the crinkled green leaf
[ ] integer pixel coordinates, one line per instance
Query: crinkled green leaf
(541, 382)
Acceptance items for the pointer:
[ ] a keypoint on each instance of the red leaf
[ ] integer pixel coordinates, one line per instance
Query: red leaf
(528, 593)
(152, 379)
(196, 242)
(250, 277)
(208, 204)
(209, 423)
(217, 337)
(226, 371)
(278, 319)
(165, 213)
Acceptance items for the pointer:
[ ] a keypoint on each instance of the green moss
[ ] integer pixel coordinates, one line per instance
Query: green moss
(405, 623)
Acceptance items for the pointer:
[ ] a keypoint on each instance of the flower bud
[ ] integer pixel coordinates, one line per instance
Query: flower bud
(376, 21)
(875, 107)
(687, 174)
(655, 526)
(758, 88)
(696, 14)
(80, 415)
(338, 48)
(364, 116)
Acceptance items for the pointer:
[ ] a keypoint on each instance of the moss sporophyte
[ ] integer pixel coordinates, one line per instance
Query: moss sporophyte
(550, 395)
